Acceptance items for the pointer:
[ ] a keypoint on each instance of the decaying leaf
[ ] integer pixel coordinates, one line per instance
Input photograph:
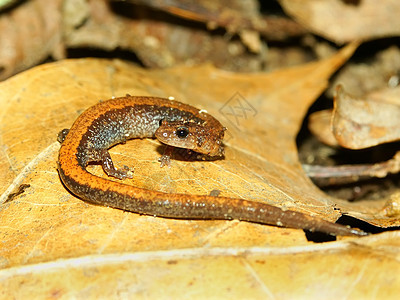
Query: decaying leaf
(357, 123)
(374, 74)
(29, 35)
(235, 16)
(156, 42)
(158, 33)
(47, 233)
(368, 122)
(344, 21)
(320, 125)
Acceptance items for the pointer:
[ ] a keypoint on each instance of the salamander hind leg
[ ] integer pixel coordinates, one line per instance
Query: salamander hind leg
(108, 166)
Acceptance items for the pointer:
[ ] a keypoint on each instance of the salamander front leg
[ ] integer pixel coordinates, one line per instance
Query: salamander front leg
(110, 170)
(165, 159)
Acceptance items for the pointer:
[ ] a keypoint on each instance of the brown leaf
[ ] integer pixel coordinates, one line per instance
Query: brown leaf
(235, 16)
(344, 21)
(320, 126)
(34, 31)
(156, 42)
(29, 34)
(58, 245)
(379, 71)
(362, 123)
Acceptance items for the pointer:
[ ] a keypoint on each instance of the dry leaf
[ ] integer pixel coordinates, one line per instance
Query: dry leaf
(335, 270)
(379, 71)
(234, 16)
(55, 245)
(29, 35)
(344, 21)
(356, 123)
(158, 39)
(362, 123)
(320, 126)
(156, 42)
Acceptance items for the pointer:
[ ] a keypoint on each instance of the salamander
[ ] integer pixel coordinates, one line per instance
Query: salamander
(175, 124)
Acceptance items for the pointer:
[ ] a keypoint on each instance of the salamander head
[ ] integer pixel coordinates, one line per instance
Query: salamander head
(191, 135)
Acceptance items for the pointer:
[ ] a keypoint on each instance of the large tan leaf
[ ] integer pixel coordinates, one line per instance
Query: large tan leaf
(55, 245)
(326, 271)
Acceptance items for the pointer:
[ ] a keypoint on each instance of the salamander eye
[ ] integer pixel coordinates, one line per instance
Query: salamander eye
(182, 132)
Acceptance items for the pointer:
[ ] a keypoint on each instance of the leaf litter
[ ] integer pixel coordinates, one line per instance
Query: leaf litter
(45, 224)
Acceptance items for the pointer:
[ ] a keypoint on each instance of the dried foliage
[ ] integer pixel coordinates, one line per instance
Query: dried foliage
(55, 245)
(368, 122)
(345, 21)
(29, 34)
(160, 35)
(48, 231)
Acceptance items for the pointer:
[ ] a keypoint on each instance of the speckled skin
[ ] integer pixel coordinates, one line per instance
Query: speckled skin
(114, 121)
